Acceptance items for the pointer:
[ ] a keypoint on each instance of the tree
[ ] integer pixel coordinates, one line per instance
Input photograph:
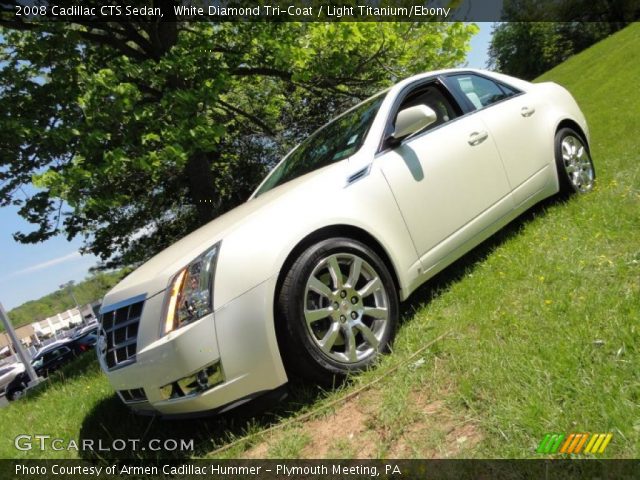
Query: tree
(527, 49)
(89, 290)
(135, 134)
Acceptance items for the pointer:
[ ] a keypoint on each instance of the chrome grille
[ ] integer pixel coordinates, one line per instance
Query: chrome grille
(120, 328)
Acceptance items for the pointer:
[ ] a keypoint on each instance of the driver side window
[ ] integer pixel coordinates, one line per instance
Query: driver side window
(433, 97)
(49, 357)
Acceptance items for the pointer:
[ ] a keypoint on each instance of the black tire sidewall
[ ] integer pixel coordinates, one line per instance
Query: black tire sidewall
(11, 395)
(302, 355)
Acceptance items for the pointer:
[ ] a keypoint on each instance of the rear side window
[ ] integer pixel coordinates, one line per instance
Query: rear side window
(480, 91)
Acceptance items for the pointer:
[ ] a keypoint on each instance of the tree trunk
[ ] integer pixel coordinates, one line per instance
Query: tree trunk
(201, 186)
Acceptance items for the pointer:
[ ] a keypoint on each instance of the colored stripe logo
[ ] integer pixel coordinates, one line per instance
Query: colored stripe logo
(574, 443)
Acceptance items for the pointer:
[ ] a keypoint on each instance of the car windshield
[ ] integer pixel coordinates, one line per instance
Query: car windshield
(335, 141)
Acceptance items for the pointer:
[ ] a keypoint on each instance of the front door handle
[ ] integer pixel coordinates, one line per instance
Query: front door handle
(527, 111)
(476, 138)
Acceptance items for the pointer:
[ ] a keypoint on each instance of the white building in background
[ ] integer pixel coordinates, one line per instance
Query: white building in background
(69, 319)
(49, 327)
(37, 334)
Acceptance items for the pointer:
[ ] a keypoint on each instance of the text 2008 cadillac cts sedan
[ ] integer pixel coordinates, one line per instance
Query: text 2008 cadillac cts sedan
(306, 277)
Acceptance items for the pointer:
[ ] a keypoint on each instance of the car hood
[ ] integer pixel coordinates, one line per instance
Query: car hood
(11, 374)
(154, 276)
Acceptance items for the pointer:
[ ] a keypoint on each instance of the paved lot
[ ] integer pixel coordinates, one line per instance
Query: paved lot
(3, 401)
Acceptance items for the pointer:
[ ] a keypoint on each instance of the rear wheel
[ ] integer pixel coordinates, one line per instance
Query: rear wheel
(576, 172)
(337, 309)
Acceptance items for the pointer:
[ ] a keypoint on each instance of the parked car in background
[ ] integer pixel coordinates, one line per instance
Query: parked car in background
(306, 277)
(90, 328)
(82, 343)
(48, 360)
(8, 373)
(53, 357)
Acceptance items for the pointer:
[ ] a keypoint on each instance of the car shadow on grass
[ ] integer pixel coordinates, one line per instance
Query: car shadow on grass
(455, 272)
(111, 424)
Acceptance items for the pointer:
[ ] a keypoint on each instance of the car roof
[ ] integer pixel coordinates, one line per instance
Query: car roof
(517, 82)
(51, 346)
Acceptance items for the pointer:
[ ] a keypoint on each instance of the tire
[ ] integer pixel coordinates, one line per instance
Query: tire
(15, 394)
(337, 310)
(576, 172)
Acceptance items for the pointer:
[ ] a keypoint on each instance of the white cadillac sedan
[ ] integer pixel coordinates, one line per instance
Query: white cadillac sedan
(306, 277)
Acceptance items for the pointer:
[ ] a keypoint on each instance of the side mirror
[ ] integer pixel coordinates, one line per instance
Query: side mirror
(412, 120)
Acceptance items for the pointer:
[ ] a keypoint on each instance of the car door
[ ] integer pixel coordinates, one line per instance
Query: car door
(48, 362)
(513, 118)
(53, 359)
(448, 180)
(64, 355)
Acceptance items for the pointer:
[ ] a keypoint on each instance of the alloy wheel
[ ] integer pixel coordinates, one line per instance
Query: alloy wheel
(577, 164)
(346, 308)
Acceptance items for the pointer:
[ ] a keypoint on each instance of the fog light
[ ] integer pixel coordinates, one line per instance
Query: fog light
(194, 384)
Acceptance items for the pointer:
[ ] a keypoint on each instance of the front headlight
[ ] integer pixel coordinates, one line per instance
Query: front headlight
(191, 291)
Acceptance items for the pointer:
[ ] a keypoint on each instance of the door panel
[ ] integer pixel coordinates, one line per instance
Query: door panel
(445, 178)
(522, 138)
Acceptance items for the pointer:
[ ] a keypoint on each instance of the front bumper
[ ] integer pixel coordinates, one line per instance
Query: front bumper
(238, 338)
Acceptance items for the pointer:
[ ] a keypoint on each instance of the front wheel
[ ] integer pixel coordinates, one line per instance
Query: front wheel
(15, 394)
(576, 172)
(337, 310)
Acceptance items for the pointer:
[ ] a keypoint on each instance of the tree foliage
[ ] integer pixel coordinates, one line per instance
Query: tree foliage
(527, 49)
(134, 134)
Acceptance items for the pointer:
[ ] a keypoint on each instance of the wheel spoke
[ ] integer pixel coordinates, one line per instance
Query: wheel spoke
(373, 285)
(319, 287)
(354, 272)
(315, 315)
(376, 312)
(330, 337)
(334, 271)
(350, 344)
(368, 334)
(585, 162)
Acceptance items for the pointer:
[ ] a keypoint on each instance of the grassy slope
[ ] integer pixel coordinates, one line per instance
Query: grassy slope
(545, 321)
(526, 362)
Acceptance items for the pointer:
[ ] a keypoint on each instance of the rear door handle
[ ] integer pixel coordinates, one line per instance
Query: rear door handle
(476, 138)
(527, 111)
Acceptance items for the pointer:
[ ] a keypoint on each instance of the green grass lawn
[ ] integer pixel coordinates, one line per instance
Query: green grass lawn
(544, 321)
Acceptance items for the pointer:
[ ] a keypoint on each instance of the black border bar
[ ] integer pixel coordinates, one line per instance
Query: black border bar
(320, 10)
